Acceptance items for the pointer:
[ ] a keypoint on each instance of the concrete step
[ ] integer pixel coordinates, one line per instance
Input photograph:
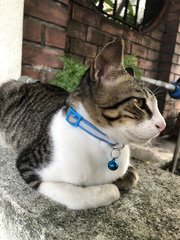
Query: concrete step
(150, 211)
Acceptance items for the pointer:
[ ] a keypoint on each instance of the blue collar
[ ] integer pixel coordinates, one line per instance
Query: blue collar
(76, 120)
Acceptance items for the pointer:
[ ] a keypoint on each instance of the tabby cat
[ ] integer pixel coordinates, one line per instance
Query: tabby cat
(73, 148)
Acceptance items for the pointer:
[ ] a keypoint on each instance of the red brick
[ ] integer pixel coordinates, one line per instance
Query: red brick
(153, 55)
(175, 69)
(155, 45)
(97, 37)
(31, 72)
(177, 76)
(77, 30)
(127, 47)
(157, 34)
(177, 49)
(111, 27)
(150, 74)
(139, 51)
(148, 65)
(178, 37)
(171, 77)
(32, 30)
(169, 105)
(172, 113)
(175, 58)
(133, 36)
(177, 105)
(55, 37)
(83, 49)
(84, 15)
(165, 114)
(36, 55)
(89, 61)
(47, 10)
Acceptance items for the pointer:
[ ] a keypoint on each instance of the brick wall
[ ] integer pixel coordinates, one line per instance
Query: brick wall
(169, 67)
(96, 30)
(45, 24)
(53, 28)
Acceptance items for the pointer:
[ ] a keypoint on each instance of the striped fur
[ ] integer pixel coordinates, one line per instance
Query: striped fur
(63, 163)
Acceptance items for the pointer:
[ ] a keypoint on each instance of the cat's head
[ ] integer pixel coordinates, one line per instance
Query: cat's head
(116, 102)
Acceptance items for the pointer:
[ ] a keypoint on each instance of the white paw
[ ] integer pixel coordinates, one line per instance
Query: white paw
(110, 193)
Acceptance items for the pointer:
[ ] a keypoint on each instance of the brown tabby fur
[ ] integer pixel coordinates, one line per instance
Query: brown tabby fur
(108, 93)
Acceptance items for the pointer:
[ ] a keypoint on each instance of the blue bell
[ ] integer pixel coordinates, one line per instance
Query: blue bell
(113, 165)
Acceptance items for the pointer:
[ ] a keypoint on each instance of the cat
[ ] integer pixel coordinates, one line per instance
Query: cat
(73, 148)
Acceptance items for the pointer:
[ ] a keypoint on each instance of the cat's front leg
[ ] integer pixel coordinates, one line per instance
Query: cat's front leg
(77, 197)
(129, 180)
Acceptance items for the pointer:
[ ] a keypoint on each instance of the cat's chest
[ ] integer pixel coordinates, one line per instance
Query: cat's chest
(79, 158)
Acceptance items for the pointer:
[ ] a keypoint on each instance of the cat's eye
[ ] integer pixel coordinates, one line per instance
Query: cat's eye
(140, 102)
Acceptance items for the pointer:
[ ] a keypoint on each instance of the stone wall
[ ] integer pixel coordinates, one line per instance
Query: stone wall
(53, 28)
(150, 211)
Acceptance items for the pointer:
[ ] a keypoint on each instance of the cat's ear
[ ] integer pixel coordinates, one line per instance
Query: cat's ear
(110, 57)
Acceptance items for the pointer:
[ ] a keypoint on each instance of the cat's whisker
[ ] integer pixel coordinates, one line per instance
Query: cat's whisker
(160, 91)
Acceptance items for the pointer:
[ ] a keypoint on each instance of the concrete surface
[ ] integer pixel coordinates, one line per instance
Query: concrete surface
(150, 211)
(158, 152)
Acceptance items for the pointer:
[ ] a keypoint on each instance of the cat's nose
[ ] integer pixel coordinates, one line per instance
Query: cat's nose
(161, 125)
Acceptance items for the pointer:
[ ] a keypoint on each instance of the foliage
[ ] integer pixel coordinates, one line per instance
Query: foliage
(70, 76)
(118, 13)
(131, 61)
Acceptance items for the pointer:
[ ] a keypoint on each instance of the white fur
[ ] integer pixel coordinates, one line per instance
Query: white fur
(78, 176)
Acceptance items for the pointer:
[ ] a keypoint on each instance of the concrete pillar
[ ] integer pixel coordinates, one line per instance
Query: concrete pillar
(11, 28)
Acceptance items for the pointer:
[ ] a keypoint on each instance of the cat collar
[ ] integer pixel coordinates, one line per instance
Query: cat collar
(76, 120)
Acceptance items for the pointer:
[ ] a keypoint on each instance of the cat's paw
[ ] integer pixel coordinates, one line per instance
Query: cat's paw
(109, 193)
(129, 180)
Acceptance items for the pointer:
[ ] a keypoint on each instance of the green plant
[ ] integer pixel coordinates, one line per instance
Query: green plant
(116, 9)
(131, 61)
(70, 76)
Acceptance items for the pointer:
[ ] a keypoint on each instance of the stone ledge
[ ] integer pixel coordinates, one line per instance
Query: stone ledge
(158, 151)
(151, 211)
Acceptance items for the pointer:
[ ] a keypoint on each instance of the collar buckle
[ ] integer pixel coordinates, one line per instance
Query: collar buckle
(73, 117)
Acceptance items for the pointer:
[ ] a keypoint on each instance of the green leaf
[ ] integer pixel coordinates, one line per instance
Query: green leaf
(110, 3)
(132, 62)
(69, 77)
(108, 10)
